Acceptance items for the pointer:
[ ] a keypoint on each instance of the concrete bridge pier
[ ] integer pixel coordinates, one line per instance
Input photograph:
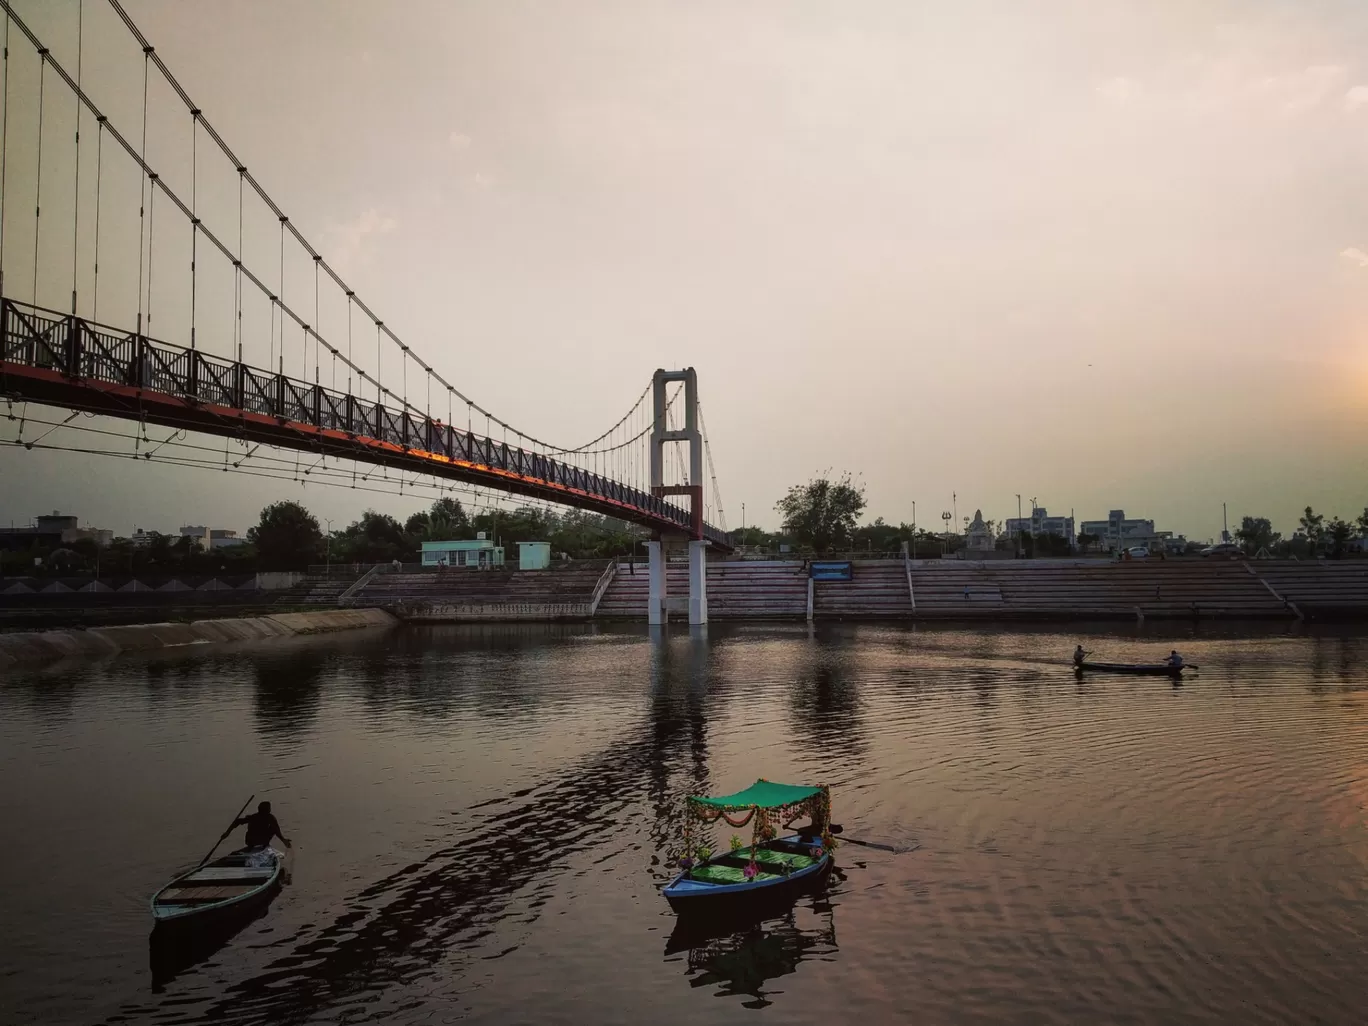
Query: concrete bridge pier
(659, 603)
(698, 583)
(656, 613)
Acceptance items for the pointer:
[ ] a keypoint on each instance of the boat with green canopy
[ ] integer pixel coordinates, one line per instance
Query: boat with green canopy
(771, 866)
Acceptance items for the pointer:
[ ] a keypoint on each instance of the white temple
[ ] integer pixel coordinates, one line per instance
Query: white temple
(978, 538)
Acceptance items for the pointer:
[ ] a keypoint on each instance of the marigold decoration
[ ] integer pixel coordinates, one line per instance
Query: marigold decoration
(765, 819)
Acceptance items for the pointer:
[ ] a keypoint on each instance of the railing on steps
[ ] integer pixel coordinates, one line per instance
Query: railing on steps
(360, 583)
(1287, 602)
(605, 579)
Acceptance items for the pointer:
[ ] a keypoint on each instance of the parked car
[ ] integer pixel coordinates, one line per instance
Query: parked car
(1224, 550)
(1137, 552)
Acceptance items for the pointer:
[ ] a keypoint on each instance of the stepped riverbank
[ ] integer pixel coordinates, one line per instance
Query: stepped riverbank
(36, 647)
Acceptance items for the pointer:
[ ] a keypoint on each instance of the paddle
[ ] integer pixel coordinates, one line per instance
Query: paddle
(836, 828)
(226, 832)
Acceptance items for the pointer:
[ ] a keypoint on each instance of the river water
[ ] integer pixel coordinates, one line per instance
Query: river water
(482, 818)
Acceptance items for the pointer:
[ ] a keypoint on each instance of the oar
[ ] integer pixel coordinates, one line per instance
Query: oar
(836, 828)
(226, 832)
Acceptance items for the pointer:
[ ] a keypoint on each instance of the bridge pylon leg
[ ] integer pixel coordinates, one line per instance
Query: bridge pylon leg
(698, 583)
(655, 570)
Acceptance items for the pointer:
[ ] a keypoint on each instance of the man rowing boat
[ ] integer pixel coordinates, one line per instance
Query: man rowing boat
(261, 827)
(1080, 655)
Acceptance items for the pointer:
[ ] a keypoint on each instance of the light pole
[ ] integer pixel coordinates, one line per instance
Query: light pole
(1018, 530)
(945, 535)
(327, 548)
(914, 528)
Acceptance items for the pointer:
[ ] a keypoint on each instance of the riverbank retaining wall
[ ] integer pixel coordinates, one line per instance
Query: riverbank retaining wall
(1066, 589)
(50, 646)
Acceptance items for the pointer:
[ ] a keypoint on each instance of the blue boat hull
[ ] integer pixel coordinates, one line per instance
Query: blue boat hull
(686, 895)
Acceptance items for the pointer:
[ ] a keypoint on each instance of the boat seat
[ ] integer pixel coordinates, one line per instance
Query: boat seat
(216, 873)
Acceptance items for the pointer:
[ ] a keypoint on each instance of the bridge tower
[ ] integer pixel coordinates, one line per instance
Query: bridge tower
(658, 599)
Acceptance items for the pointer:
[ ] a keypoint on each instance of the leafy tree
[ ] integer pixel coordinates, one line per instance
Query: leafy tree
(822, 513)
(286, 538)
(1362, 523)
(1086, 540)
(444, 521)
(375, 538)
(1255, 533)
(1338, 533)
(879, 537)
(1051, 544)
(1313, 525)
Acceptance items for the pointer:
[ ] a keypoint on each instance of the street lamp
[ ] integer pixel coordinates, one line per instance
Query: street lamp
(1018, 530)
(945, 535)
(327, 548)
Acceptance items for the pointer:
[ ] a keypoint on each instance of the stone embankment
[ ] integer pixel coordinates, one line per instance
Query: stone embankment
(562, 592)
(99, 642)
(1074, 589)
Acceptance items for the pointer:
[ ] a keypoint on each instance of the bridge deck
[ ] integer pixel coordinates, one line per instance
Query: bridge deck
(60, 360)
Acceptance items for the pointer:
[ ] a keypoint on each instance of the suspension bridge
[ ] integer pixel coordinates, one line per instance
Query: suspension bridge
(79, 256)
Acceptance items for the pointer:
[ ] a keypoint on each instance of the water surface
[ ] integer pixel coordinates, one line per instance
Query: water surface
(482, 818)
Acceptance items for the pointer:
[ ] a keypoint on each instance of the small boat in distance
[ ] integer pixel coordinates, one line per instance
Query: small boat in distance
(770, 868)
(231, 885)
(1143, 669)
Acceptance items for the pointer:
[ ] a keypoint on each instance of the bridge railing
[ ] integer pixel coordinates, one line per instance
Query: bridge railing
(80, 349)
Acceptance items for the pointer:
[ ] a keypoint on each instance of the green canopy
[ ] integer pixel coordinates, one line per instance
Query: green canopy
(760, 795)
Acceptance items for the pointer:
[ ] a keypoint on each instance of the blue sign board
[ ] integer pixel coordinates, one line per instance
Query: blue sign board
(830, 571)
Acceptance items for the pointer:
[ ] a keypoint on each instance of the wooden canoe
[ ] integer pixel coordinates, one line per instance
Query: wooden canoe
(231, 883)
(1145, 669)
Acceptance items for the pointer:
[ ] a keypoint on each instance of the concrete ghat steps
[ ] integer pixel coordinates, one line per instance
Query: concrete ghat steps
(1003, 589)
(561, 592)
(750, 590)
(1333, 587)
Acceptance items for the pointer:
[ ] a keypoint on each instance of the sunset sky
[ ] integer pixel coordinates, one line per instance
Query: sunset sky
(1104, 254)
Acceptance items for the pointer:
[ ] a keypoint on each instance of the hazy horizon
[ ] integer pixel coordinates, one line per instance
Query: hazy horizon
(1102, 254)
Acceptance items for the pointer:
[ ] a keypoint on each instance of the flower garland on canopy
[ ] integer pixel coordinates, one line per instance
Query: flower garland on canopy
(817, 808)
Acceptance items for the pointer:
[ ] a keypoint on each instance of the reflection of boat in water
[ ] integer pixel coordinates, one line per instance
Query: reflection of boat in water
(201, 910)
(174, 949)
(739, 955)
(770, 868)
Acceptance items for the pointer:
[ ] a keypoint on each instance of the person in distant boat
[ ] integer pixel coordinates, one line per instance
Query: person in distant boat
(261, 827)
(1174, 660)
(1079, 655)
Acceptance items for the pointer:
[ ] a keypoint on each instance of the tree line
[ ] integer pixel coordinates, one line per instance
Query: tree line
(1316, 536)
(287, 536)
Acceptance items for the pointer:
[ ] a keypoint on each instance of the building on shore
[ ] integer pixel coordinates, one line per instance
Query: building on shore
(51, 530)
(1039, 524)
(221, 538)
(141, 539)
(1119, 532)
(198, 535)
(479, 552)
